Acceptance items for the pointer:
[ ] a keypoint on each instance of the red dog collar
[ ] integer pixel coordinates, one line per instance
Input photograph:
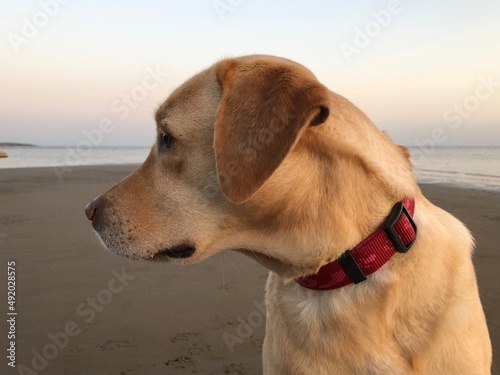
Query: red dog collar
(396, 234)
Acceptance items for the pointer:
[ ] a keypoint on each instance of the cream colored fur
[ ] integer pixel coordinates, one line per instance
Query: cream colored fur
(267, 161)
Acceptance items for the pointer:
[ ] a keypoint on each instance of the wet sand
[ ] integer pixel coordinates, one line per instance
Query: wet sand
(109, 315)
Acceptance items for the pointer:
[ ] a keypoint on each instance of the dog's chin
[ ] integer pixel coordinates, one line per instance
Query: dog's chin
(182, 251)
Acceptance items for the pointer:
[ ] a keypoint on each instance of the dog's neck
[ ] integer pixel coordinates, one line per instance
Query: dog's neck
(349, 194)
(396, 235)
(366, 257)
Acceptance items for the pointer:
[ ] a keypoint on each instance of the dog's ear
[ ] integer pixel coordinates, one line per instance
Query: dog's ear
(263, 109)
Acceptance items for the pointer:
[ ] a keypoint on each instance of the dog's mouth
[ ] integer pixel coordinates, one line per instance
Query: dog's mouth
(177, 252)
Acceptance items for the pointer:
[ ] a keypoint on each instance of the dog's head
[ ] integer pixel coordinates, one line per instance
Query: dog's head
(242, 161)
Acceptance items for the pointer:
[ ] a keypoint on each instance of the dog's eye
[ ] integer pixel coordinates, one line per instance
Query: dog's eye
(167, 140)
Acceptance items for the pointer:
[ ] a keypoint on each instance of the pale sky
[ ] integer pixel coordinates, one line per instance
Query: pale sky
(418, 69)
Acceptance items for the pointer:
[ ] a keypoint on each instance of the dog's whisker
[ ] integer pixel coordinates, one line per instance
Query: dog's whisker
(222, 270)
(132, 265)
(230, 260)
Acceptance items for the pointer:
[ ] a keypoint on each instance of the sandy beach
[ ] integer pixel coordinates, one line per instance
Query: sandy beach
(82, 310)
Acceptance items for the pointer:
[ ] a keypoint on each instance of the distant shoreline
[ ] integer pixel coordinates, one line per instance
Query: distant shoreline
(12, 144)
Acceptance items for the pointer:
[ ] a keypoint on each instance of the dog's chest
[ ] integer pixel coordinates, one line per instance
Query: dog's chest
(331, 332)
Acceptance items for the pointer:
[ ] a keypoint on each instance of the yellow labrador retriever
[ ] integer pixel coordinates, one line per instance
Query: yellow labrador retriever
(367, 276)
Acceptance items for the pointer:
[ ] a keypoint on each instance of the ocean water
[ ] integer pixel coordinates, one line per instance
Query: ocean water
(473, 167)
(24, 157)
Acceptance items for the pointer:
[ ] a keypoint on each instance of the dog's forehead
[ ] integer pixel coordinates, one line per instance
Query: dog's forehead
(184, 98)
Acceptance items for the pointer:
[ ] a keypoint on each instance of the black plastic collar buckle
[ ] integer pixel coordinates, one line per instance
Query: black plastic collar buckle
(351, 268)
(398, 209)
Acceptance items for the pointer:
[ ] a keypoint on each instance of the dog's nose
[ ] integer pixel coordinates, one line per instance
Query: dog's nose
(91, 208)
